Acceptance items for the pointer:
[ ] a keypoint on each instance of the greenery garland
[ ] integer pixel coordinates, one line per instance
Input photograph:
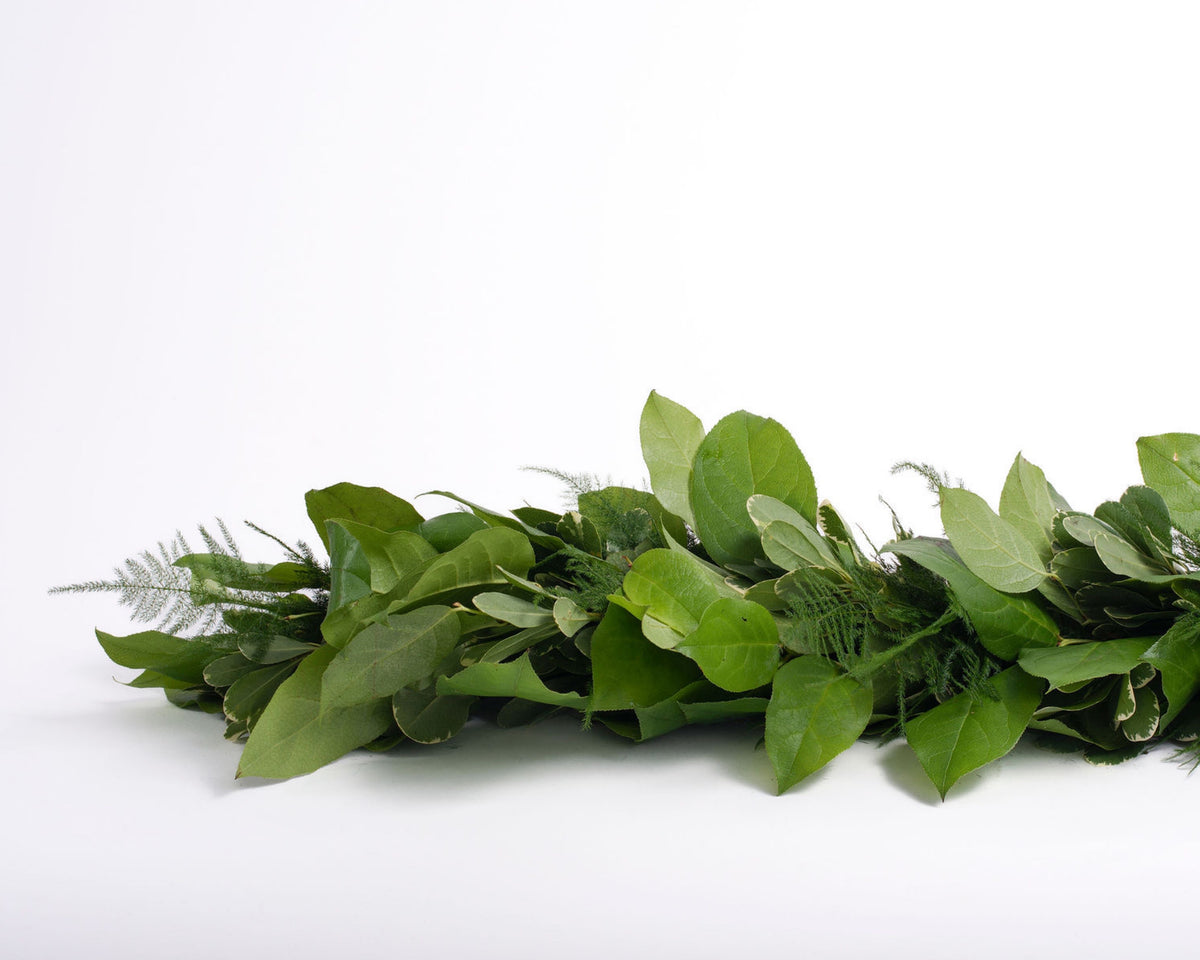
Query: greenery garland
(727, 593)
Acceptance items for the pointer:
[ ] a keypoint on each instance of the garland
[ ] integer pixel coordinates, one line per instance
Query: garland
(728, 593)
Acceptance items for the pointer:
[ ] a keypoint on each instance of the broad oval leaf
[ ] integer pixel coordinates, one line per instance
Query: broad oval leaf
(447, 530)
(1027, 504)
(628, 670)
(991, 547)
(964, 733)
(373, 506)
(670, 434)
(736, 644)
(816, 712)
(424, 716)
(1170, 464)
(1078, 662)
(673, 587)
(480, 561)
(391, 556)
(743, 455)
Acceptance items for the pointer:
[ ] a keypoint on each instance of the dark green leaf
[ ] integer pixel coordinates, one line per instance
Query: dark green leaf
(1063, 666)
(1176, 654)
(428, 718)
(628, 670)
(373, 506)
(517, 678)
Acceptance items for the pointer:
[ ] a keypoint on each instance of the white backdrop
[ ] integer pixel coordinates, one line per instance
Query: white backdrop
(251, 248)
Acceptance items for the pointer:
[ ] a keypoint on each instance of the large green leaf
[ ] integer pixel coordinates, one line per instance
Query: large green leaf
(447, 530)
(384, 657)
(373, 506)
(349, 568)
(1171, 465)
(391, 556)
(991, 547)
(474, 564)
(628, 670)
(517, 678)
(1005, 624)
(1176, 654)
(513, 610)
(495, 519)
(671, 435)
(1077, 662)
(166, 654)
(743, 455)
(675, 588)
(736, 644)
(294, 736)
(1027, 504)
(816, 712)
(966, 732)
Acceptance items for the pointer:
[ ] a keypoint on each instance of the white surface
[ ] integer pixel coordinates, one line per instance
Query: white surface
(248, 249)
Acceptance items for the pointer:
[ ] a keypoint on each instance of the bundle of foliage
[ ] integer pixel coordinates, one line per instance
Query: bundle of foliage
(727, 592)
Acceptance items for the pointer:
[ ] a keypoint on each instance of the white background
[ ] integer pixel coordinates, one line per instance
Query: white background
(251, 248)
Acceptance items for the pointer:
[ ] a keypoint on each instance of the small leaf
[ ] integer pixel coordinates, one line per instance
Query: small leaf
(447, 530)
(426, 717)
(514, 610)
(569, 616)
(962, 734)
(991, 547)
(1176, 654)
(478, 562)
(249, 695)
(816, 711)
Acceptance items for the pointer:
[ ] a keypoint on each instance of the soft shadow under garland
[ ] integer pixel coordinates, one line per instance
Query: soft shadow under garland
(728, 594)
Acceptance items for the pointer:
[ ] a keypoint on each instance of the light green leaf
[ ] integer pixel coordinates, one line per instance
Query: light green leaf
(1005, 624)
(603, 507)
(743, 455)
(373, 506)
(163, 653)
(514, 610)
(962, 734)
(385, 657)
(494, 519)
(447, 530)
(628, 670)
(458, 575)
(569, 616)
(426, 717)
(736, 644)
(1176, 654)
(670, 435)
(815, 713)
(1077, 662)
(674, 588)
(1171, 465)
(1125, 560)
(517, 678)
(391, 557)
(1027, 504)
(293, 736)
(992, 548)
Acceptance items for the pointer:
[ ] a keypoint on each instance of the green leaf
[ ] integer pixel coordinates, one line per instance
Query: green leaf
(743, 455)
(514, 610)
(446, 531)
(499, 520)
(674, 588)
(373, 506)
(385, 657)
(349, 568)
(426, 717)
(1005, 624)
(736, 644)
(569, 616)
(815, 713)
(991, 547)
(628, 670)
(1170, 464)
(1143, 722)
(266, 649)
(1077, 662)
(1176, 655)
(293, 736)
(391, 557)
(671, 435)
(248, 696)
(167, 654)
(1027, 504)
(1078, 566)
(963, 733)
(603, 507)
(225, 670)
(459, 575)
(516, 678)
(1125, 560)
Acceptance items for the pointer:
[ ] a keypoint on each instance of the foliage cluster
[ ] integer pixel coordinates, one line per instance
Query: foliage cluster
(726, 592)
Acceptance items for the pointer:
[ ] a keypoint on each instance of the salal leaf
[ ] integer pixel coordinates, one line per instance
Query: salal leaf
(447, 530)
(674, 588)
(1148, 507)
(816, 712)
(293, 736)
(1026, 503)
(628, 670)
(743, 455)
(1005, 624)
(391, 556)
(373, 506)
(387, 656)
(477, 562)
(514, 610)
(991, 547)
(517, 678)
(964, 733)
(670, 434)
(1077, 662)
(1170, 464)
(736, 644)
(426, 717)
(1176, 654)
